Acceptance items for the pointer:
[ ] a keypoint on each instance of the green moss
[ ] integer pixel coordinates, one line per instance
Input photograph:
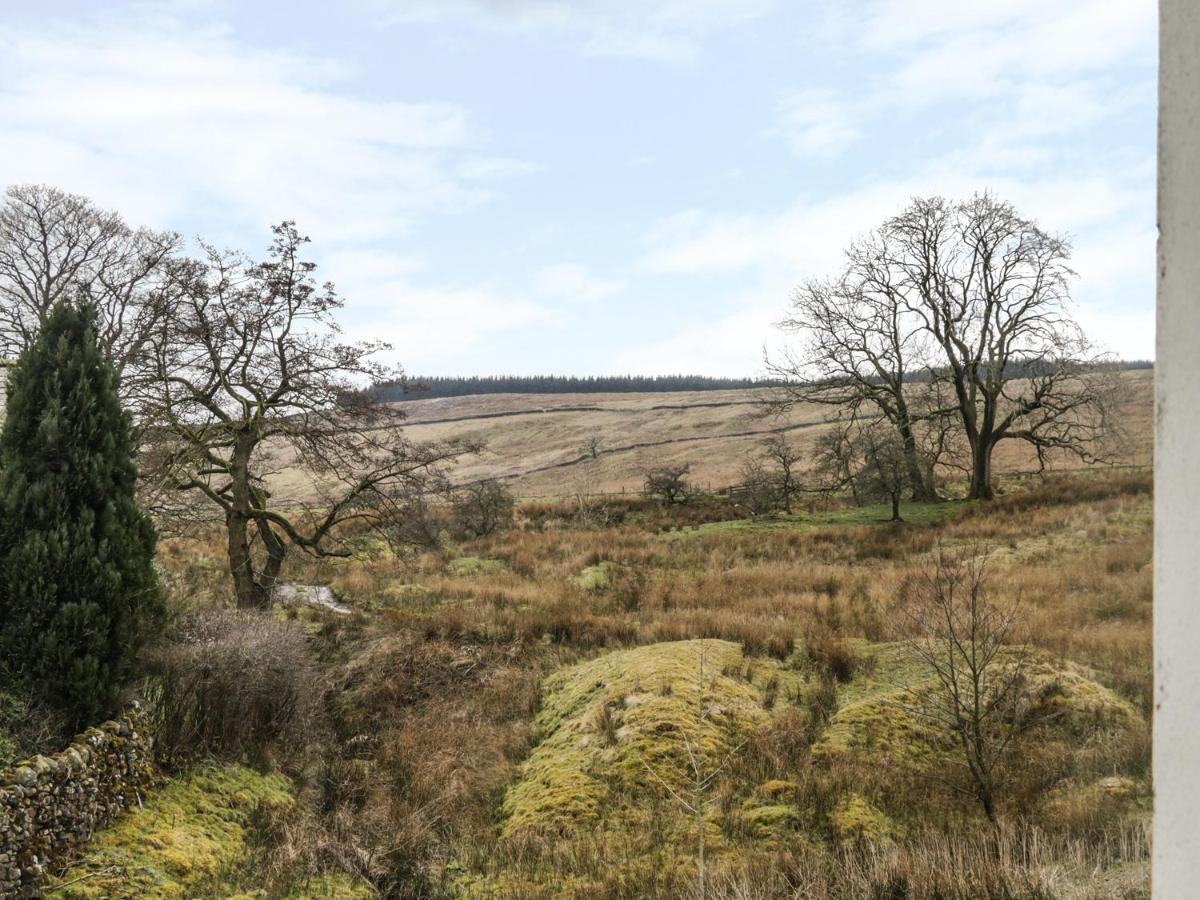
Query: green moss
(855, 516)
(474, 565)
(618, 728)
(404, 594)
(854, 818)
(330, 886)
(617, 736)
(875, 725)
(185, 835)
(596, 578)
(770, 823)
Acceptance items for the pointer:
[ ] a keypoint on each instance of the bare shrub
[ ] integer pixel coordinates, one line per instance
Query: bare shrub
(980, 695)
(483, 508)
(238, 684)
(669, 483)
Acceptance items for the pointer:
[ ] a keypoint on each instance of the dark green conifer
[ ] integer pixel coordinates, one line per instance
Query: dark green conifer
(78, 589)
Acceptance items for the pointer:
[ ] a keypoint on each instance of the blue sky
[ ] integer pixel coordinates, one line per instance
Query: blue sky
(597, 186)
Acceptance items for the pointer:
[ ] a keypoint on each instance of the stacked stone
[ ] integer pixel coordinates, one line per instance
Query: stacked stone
(51, 805)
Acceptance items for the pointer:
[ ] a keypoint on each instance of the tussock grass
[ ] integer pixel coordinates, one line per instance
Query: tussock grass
(457, 704)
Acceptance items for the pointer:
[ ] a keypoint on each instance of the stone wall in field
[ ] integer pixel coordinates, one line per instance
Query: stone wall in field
(49, 805)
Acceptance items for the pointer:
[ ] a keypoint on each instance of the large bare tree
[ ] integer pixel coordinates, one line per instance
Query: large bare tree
(992, 289)
(250, 374)
(54, 245)
(954, 313)
(860, 351)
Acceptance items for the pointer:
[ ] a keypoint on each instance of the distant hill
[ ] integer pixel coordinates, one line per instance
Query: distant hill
(540, 444)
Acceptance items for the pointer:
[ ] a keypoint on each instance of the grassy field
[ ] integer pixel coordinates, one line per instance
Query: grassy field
(524, 715)
(627, 699)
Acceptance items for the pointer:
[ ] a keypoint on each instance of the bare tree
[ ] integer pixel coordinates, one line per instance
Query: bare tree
(991, 288)
(771, 478)
(954, 312)
(834, 461)
(669, 483)
(54, 244)
(593, 446)
(861, 350)
(249, 375)
(702, 772)
(869, 458)
(782, 461)
(757, 489)
(884, 471)
(980, 694)
(483, 507)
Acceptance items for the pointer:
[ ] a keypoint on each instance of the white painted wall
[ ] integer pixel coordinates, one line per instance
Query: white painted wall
(1177, 469)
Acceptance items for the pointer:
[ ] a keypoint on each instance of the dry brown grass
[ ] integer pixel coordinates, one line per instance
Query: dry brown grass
(711, 439)
(436, 683)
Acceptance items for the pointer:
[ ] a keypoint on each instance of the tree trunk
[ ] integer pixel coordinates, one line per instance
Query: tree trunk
(981, 471)
(250, 593)
(989, 804)
(922, 485)
(276, 550)
(896, 508)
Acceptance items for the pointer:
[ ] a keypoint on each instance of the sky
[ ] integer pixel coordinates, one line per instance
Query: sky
(597, 186)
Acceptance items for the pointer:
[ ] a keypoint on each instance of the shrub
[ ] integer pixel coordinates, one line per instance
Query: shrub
(483, 508)
(831, 655)
(669, 483)
(78, 590)
(236, 686)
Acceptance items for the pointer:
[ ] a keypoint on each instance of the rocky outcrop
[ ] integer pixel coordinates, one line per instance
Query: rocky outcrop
(49, 805)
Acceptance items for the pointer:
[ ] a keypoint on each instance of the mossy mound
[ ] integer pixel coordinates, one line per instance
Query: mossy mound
(184, 836)
(475, 565)
(596, 578)
(613, 770)
(856, 819)
(623, 727)
(1109, 799)
(879, 725)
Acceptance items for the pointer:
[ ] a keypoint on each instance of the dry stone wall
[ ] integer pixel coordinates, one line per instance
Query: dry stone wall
(51, 805)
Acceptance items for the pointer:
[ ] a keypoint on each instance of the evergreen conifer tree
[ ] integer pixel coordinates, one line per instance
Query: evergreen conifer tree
(78, 590)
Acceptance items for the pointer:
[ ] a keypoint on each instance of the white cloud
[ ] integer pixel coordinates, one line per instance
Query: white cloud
(169, 122)
(429, 324)
(661, 30)
(814, 122)
(1032, 68)
(773, 252)
(433, 326)
(573, 283)
(174, 120)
